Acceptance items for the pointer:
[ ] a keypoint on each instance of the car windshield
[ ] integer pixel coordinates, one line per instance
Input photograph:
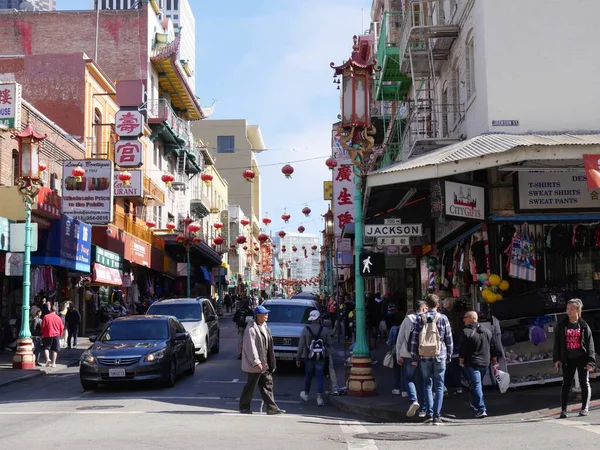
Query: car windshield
(191, 312)
(136, 330)
(289, 313)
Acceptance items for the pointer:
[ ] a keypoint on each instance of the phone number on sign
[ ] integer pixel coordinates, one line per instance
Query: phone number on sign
(93, 218)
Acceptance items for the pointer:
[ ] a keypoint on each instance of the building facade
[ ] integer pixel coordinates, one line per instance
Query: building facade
(301, 264)
(31, 5)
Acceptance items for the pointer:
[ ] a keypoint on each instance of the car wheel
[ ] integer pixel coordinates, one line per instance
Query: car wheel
(215, 348)
(88, 385)
(192, 368)
(172, 376)
(204, 355)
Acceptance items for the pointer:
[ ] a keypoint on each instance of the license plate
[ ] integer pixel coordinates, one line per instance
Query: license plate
(289, 356)
(116, 373)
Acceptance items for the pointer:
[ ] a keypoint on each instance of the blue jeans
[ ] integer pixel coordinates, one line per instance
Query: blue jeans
(476, 375)
(433, 373)
(316, 368)
(412, 381)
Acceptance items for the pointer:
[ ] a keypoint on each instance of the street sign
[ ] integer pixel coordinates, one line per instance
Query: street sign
(386, 241)
(407, 229)
(392, 221)
(372, 264)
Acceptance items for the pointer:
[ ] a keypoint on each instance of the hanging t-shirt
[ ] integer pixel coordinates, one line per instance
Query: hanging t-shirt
(573, 340)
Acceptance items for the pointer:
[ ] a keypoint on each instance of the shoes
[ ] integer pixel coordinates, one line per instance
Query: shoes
(412, 409)
(304, 396)
(436, 421)
(563, 415)
(396, 392)
(583, 413)
(320, 401)
(458, 391)
(274, 412)
(53, 365)
(422, 414)
(404, 394)
(428, 419)
(480, 414)
(39, 364)
(245, 411)
(474, 407)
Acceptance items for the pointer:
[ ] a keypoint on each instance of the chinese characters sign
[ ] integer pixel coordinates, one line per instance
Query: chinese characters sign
(129, 123)
(128, 153)
(343, 197)
(10, 105)
(48, 203)
(135, 188)
(266, 258)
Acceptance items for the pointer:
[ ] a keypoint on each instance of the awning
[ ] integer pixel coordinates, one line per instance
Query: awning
(484, 152)
(107, 275)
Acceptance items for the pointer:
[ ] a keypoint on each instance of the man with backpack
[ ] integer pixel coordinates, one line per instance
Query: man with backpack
(431, 349)
(242, 316)
(314, 349)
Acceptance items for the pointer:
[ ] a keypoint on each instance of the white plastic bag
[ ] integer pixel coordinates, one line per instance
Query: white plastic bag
(502, 378)
(388, 360)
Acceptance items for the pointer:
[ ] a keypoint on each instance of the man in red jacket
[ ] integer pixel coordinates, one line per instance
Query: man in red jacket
(52, 330)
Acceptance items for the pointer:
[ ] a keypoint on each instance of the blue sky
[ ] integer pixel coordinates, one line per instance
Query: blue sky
(268, 61)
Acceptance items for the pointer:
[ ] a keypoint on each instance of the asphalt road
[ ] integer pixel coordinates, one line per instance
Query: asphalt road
(200, 412)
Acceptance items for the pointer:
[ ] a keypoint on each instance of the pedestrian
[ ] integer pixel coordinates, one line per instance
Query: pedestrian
(36, 335)
(73, 321)
(477, 349)
(241, 318)
(227, 302)
(258, 361)
(574, 351)
(45, 307)
(51, 330)
(431, 349)
(391, 342)
(413, 381)
(63, 316)
(314, 348)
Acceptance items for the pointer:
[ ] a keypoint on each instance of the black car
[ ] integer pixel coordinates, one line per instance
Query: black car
(138, 348)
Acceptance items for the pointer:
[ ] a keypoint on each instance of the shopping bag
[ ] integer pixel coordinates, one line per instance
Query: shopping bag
(388, 360)
(502, 378)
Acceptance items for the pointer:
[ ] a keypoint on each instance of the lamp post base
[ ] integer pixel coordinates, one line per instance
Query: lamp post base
(361, 382)
(24, 358)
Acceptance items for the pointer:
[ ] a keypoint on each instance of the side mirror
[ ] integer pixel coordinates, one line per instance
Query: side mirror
(93, 338)
(211, 317)
(181, 336)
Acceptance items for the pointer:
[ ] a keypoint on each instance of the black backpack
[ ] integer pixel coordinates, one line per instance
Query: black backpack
(240, 317)
(316, 348)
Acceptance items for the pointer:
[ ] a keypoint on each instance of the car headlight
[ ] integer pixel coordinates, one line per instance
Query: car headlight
(196, 331)
(155, 356)
(88, 357)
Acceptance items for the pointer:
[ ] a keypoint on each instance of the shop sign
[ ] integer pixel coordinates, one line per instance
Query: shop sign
(339, 153)
(540, 190)
(107, 275)
(129, 123)
(592, 171)
(137, 251)
(387, 241)
(48, 203)
(4, 234)
(17, 237)
(135, 188)
(328, 190)
(343, 245)
(107, 259)
(464, 201)
(14, 264)
(129, 153)
(10, 105)
(76, 243)
(89, 200)
(407, 229)
(343, 197)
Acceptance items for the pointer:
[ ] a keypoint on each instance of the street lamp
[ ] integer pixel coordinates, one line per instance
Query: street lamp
(328, 235)
(188, 239)
(357, 140)
(29, 185)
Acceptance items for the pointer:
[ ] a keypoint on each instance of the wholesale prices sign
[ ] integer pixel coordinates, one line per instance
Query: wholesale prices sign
(91, 199)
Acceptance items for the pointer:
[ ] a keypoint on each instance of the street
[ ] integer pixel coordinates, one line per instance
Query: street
(201, 412)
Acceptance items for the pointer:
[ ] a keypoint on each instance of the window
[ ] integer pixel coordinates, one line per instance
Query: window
(225, 144)
(15, 167)
(175, 16)
(168, 4)
(470, 61)
(175, 4)
(157, 155)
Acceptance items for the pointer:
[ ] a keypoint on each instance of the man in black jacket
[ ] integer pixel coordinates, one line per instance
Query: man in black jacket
(241, 317)
(476, 351)
(574, 351)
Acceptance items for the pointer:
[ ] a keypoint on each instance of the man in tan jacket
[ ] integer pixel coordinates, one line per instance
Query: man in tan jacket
(258, 361)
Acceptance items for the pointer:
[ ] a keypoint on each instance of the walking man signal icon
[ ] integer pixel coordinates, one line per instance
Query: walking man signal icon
(367, 265)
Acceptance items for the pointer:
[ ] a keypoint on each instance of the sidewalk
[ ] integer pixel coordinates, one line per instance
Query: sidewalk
(531, 403)
(66, 358)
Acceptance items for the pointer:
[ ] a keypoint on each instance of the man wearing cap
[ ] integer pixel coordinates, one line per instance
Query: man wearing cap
(313, 349)
(258, 361)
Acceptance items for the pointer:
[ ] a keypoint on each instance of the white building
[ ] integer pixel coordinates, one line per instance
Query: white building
(180, 12)
(32, 5)
(304, 262)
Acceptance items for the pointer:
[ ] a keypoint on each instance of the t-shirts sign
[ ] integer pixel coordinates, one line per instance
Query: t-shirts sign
(556, 190)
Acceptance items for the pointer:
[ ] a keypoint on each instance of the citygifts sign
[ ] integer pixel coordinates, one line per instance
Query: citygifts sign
(91, 199)
(464, 201)
(10, 105)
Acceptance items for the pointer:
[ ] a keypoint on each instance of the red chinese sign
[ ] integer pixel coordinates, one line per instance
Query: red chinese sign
(48, 203)
(129, 123)
(343, 197)
(592, 171)
(5, 97)
(266, 258)
(128, 153)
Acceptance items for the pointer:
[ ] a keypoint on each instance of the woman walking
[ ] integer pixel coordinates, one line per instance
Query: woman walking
(574, 351)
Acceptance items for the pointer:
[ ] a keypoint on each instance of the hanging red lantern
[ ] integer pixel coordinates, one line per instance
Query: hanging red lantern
(206, 177)
(168, 179)
(245, 221)
(196, 240)
(331, 163)
(267, 221)
(241, 240)
(125, 176)
(301, 229)
(41, 167)
(283, 250)
(287, 170)
(78, 173)
(218, 225)
(180, 239)
(150, 223)
(285, 217)
(314, 247)
(294, 248)
(232, 246)
(256, 249)
(218, 240)
(306, 211)
(263, 237)
(281, 234)
(245, 247)
(194, 227)
(249, 175)
(170, 226)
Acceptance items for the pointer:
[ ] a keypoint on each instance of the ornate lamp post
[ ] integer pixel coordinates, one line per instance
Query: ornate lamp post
(29, 185)
(357, 73)
(328, 216)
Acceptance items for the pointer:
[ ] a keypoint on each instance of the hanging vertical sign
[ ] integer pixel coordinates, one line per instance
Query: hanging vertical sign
(129, 126)
(592, 171)
(343, 197)
(436, 199)
(10, 105)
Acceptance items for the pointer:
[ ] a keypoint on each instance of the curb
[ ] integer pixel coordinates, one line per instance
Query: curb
(38, 373)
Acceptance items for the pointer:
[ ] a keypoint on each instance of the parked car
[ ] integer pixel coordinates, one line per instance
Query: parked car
(138, 348)
(198, 317)
(287, 319)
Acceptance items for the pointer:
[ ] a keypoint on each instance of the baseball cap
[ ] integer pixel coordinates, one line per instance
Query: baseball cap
(314, 315)
(261, 310)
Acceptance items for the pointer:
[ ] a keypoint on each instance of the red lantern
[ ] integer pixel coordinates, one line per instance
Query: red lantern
(150, 224)
(42, 167)
(194, 227)
(232, 246)
(283, 250)
(331, 163)
(281, 234)
(245, 247)
(301, 229)
(267, 221)
(125, 176)
(285, 217)
(314, 247)
(306, 211)
(168, 179)
(263, 237)
(294, 248)
(256, 249)
(218, 225)
(241, 240)
(287, 170)
(249, 175)
(206, 177)
(170, 226)
(196, 240)
(245, 222)
(78, 173)
(218, 240)
(180, 239)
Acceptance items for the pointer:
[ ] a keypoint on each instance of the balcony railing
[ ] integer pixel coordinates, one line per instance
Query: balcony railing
(152, 189)
(160, 111)
(129, 225)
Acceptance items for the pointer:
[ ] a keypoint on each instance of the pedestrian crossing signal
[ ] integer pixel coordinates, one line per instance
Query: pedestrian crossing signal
(372, 264)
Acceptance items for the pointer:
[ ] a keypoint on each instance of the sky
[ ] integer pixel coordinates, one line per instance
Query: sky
(267, 61)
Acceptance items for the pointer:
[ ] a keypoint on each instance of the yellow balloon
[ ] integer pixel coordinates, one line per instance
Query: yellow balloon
(494, 280)
(498, 297)
(486, 293)
(491, 298)
(504, 285)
